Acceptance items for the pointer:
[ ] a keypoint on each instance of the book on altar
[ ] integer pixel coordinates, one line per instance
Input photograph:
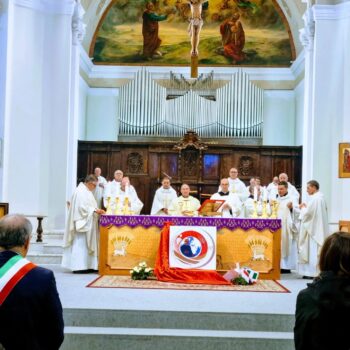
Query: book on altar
(210, 207)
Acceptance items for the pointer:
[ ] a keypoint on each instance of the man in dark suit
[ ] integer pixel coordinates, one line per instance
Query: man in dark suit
(30, 308)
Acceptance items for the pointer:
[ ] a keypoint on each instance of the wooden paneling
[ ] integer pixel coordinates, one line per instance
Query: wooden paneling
(146, 164)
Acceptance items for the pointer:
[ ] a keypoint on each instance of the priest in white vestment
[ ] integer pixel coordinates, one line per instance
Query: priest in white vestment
(288, 212)
(272, 189)
(237, 186)
(81, 238)
(126, 201)
(185, 205)
(313, 230)
(101, 184)
(112, 190)
(255, 195)
(291, 189)
(233, 205)
(163, 197)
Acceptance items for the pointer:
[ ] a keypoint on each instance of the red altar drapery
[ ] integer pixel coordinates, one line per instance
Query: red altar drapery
(165, 273)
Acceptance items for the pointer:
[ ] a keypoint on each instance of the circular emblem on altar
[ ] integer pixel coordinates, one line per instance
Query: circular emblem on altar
(193, 248)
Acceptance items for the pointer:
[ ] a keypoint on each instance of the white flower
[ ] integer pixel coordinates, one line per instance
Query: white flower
(142, 264)
(148, 269)
(131, 271)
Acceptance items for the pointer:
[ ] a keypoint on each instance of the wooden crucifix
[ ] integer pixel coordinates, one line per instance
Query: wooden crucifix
(195, 26)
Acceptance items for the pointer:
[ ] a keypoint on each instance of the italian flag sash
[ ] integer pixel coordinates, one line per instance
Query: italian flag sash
(11, 273)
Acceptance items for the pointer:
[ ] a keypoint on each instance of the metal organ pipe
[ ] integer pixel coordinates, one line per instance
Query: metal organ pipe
(237, 111)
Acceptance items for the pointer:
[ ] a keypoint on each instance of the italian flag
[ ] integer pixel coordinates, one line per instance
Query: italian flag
(11, 273)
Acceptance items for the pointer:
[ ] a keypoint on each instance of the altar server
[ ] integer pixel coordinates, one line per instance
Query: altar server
(185, 205)
(232, 206)
(81, 238)
(163, 197)
(313, 230)
(288, 212)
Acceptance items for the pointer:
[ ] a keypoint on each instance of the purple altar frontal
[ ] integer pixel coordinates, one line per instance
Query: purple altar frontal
(147, 221)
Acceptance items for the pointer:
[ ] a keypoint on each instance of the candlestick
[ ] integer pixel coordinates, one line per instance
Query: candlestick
(255, 212)
(255, 194)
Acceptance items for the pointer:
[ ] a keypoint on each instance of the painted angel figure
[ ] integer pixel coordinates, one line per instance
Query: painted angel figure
(196, 23)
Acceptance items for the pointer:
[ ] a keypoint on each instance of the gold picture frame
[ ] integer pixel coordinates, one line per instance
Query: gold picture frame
(344, 160)
(4, 209)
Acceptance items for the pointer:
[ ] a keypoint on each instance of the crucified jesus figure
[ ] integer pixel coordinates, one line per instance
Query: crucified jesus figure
(196, 23)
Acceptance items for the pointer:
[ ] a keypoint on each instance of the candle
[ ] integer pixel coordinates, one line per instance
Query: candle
(255, 193)
(127, 188)
(118, 189)
(264, 194)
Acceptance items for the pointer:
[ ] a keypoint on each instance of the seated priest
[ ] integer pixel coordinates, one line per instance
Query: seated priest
(163, 197)
(288, 212)
(232, 206)
(185, 205)
(126, 202)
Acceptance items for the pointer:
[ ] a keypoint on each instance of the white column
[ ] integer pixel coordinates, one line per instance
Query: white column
(4, 43)
(327, 106)
(307, 40)
(78, 31)
(36, 111)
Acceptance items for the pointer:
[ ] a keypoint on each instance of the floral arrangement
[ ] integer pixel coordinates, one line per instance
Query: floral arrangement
(141, 272)
(242, 275)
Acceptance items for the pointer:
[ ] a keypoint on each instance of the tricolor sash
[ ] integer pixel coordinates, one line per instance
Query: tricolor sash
(11, 273)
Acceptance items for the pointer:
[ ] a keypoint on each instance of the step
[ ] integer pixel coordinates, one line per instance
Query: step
(173, 339)
(49, 235)
(180, 320)
(44, 259)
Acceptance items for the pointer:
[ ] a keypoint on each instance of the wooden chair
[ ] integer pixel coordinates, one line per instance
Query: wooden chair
(344, 226)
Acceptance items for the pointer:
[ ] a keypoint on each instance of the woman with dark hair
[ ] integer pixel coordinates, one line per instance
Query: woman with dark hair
(323, 308)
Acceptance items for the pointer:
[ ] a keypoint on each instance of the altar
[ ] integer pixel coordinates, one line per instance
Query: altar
(125, 241)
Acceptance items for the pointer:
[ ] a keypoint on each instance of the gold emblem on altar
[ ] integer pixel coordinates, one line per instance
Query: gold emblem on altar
(258, 245)
(121, 243)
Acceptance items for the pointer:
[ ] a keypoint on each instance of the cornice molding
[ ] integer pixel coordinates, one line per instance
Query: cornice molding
(331, 12)
(103, 92)
(54, 7)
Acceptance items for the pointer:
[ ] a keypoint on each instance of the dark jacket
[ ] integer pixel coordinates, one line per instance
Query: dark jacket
(31, 316)
(323, 314)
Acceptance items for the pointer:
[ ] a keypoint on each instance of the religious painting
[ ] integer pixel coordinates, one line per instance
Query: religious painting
(169, 32)
(344, 160)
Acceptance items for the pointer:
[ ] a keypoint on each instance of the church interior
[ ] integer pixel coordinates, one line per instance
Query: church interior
(80, 88)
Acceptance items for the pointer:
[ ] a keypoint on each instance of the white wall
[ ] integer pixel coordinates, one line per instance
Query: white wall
(279, 118)
(101, 116)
